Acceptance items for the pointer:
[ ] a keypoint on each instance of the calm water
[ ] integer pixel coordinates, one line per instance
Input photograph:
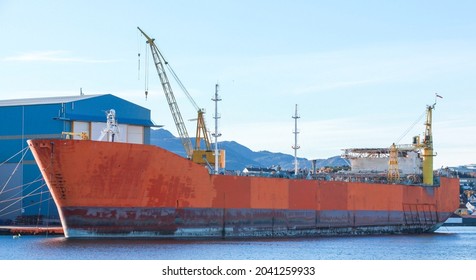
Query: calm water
(449, 243)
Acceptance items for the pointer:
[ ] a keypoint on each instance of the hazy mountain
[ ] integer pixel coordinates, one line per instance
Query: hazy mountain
(238, 156)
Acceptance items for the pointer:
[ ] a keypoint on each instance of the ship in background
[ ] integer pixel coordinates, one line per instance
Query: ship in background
(111, 189)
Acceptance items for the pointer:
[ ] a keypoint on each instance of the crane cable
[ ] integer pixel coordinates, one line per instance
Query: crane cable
(171, 70)
(138, 56)
(180, 84)
(411, 127)
(146, 72)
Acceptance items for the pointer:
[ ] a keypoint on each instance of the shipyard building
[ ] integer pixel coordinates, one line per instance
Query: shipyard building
(24, 197)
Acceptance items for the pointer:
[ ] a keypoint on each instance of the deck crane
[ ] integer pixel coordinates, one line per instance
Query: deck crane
(197, 155)
(426, 146)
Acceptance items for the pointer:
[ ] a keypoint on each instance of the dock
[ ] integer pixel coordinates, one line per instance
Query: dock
(31, 230)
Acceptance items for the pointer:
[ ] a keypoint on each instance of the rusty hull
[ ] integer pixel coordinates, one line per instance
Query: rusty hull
(105, 189)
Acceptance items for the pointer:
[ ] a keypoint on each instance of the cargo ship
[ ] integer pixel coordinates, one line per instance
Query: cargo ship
(112, 189)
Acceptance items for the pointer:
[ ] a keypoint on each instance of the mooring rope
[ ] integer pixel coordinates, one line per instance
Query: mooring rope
(16, 200)
(12, 211)
(26, 185)
(25, 150)
(27, 147)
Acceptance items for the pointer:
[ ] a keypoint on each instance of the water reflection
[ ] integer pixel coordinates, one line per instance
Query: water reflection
(447, 243)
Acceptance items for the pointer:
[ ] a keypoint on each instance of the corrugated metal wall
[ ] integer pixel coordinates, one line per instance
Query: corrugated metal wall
(25, 194)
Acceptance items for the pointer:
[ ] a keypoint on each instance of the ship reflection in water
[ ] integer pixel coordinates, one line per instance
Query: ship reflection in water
(447, 243)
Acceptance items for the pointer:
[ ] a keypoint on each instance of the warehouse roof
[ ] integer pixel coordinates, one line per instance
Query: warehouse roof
(93, 109)
(44, 100)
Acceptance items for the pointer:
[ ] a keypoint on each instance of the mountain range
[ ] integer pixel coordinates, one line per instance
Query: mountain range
(239, 157)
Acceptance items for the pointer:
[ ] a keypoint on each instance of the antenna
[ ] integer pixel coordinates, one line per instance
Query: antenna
(296, 146)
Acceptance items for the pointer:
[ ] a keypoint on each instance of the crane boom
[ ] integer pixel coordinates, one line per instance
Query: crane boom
(174, 109)
(197, 155)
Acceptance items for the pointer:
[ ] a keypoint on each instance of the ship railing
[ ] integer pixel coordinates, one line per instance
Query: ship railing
(369, 177)
(359, 177)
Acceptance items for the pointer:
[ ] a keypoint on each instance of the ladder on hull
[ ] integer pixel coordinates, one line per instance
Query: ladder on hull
(420, 214)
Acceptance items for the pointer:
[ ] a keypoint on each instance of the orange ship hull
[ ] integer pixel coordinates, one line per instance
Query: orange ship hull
(105, 189)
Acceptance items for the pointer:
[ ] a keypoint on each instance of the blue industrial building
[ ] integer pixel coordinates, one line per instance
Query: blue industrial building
(24, 197)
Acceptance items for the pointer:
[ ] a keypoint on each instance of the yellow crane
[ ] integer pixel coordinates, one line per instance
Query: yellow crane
(196, 154)
(393, 174)
(426, 146)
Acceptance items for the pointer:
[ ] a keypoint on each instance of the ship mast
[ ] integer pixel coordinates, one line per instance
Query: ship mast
(296, 146)
(216, 134)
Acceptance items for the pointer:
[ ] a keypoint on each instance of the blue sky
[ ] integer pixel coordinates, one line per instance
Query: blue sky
(361, 72)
